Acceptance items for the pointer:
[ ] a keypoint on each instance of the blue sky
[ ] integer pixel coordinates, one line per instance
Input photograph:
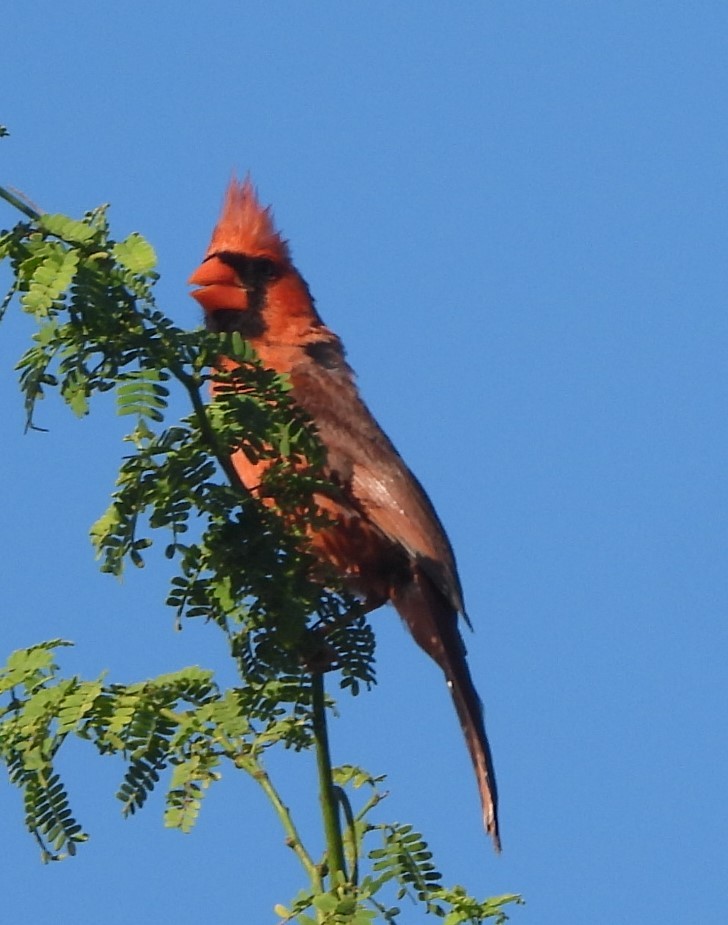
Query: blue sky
(515, 216)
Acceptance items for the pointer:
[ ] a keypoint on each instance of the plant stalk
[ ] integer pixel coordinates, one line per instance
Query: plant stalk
(293, 839)
(327, 790)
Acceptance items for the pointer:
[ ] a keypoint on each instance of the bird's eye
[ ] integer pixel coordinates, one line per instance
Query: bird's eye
(253, 271)
(265, 269)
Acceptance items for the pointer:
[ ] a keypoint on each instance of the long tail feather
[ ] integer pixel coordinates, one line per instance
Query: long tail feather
(433, 624)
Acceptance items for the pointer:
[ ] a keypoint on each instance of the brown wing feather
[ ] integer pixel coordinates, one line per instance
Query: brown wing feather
(361, 457)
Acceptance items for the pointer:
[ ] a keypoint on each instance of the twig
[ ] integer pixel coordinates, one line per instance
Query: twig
(191, 385)
(19, 204)
(293, 839)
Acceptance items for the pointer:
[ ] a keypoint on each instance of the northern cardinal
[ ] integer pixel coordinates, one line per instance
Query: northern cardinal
(385, 538)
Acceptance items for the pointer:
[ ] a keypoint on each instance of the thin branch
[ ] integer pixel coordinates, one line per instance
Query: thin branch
(370, 804)
(19, 204)
(193, 390)
(351, 835)
(293, 839)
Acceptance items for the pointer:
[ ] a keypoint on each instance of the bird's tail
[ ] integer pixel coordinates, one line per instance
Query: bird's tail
(433, 624)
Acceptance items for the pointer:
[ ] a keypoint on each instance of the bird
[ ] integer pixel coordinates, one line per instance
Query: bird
(381, 534)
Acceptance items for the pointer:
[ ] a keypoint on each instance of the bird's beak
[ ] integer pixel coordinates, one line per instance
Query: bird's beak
(220, 286)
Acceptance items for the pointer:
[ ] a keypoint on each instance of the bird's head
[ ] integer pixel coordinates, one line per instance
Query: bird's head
(245, 258)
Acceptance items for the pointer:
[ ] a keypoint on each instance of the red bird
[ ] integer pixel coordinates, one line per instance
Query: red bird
(385, 538)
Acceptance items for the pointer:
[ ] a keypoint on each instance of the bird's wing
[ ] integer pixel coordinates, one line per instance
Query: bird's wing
(362, 458)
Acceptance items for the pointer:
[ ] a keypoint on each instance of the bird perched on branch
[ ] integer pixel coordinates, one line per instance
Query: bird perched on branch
(382, 534)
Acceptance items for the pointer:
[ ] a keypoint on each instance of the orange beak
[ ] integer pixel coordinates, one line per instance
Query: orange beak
(220, 286)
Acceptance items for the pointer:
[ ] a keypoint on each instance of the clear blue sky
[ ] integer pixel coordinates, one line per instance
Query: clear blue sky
(515, 216)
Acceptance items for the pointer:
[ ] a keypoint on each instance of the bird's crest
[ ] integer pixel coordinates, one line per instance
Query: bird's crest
(245, 227)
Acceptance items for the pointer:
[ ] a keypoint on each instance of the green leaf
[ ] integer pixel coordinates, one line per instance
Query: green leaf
(64, 227)
(363, 917)
(135, 253)
(47, 278)
(325, 902)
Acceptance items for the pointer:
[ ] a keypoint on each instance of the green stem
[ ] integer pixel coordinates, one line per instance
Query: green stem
(193, 390)
(351, 845)
(327, 791)
(293, 839)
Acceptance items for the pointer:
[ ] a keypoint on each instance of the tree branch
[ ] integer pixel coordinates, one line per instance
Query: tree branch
(327, 790)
